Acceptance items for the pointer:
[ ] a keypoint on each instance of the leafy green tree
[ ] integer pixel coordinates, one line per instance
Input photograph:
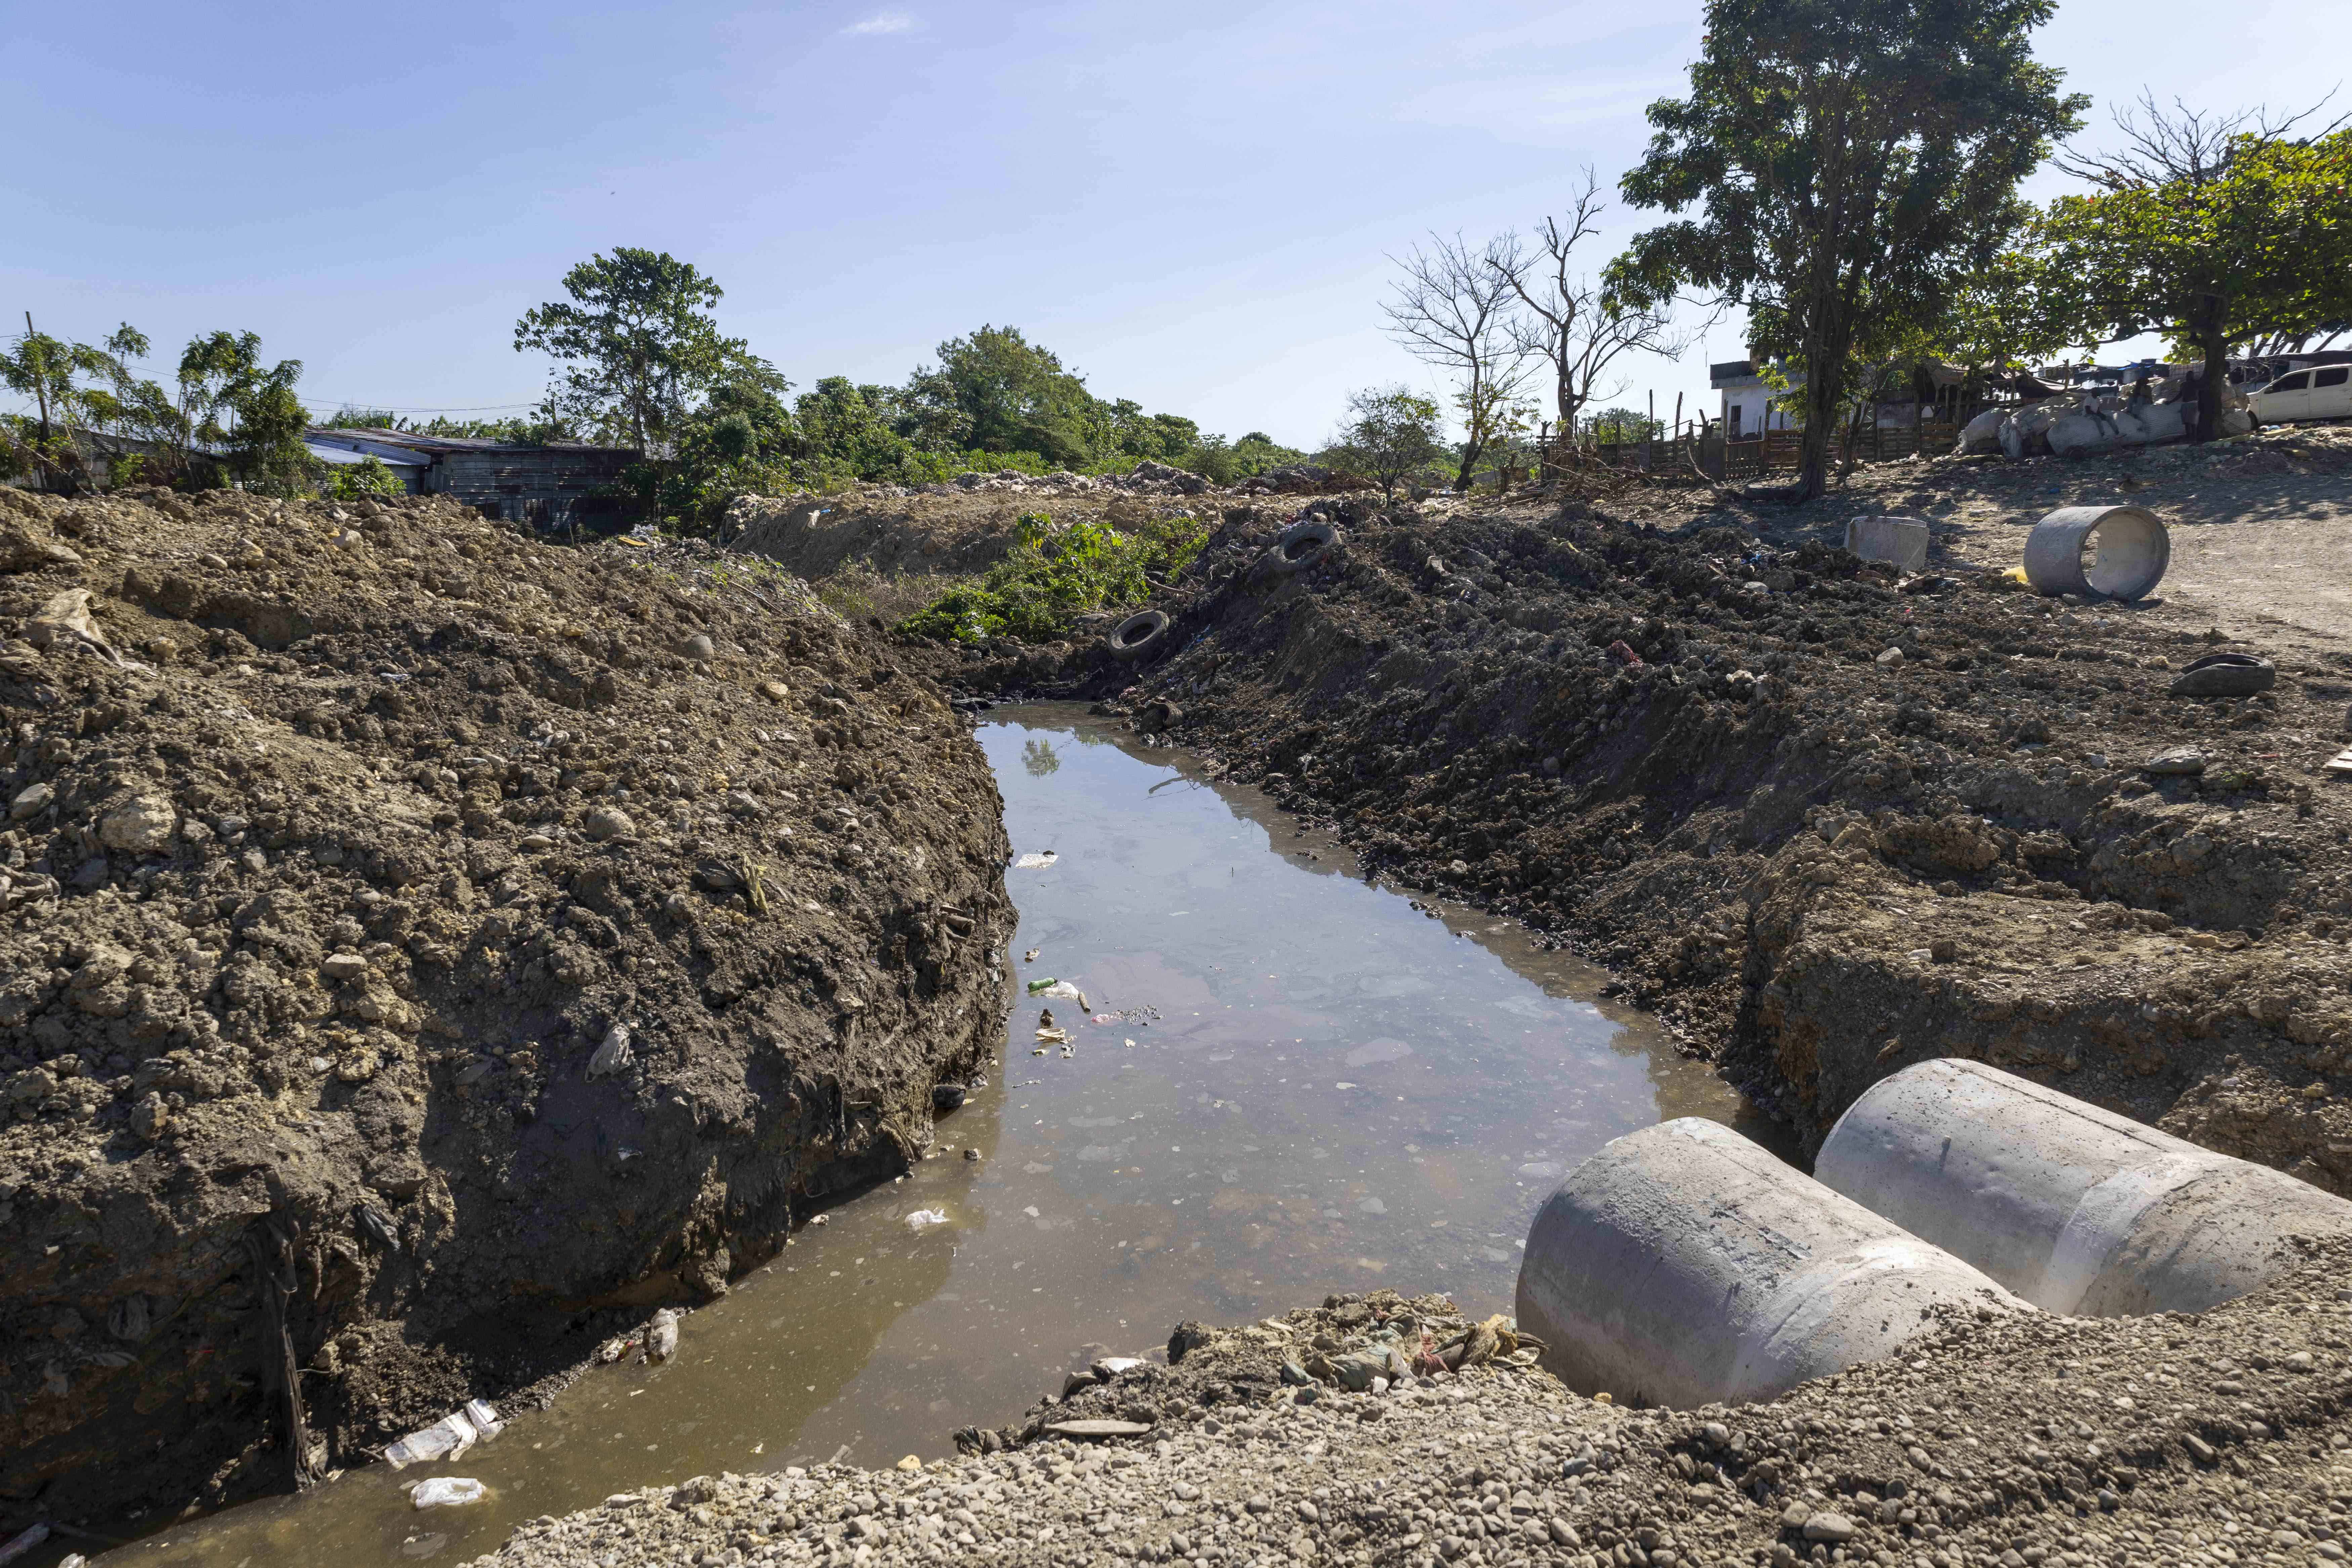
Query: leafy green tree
(1390, 432)
(639, 346)
(995, 391)
(1851, 163)
(266, 448)
(2218, 238)
(60, 377)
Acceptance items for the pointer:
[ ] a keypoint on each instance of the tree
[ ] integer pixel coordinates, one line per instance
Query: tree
(995, 391)
(60, 377)
(1577, 329)
(640, 346)
(1453, 310)
(1852, 164)
(2220, 230)
(1621, 426)
(1390, 432)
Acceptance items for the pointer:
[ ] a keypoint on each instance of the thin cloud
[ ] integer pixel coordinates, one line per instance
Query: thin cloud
(883, 21)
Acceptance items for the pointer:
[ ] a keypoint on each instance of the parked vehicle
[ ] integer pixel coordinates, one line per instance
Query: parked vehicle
(2323, 393)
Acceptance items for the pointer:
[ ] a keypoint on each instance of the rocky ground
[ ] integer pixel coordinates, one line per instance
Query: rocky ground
(2218, 1439)
(1828, 820)
(424, 950)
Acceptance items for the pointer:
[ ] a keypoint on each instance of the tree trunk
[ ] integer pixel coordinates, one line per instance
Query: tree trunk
(1470, 450)
(1813, 443)
(2206, 325)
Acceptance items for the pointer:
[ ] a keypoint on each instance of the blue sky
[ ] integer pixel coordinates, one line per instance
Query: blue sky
(1193, 204)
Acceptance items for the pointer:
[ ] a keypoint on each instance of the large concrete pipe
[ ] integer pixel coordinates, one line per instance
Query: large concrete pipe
(1683, 1265)
(2117, 551)
(2076, 1209)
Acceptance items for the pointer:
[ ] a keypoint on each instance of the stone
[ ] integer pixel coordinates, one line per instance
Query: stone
(30, 800)
(144, 825)
(608, 822)
(150, 1117)
(2180, 762)
(342, 966)
(700, 646)
(1829, 1528)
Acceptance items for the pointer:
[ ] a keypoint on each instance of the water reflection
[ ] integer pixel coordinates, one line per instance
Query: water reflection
(1282, 1082)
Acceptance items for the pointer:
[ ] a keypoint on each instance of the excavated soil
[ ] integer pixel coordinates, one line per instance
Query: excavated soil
(1828, 821)
(425, 950)
(1996, 1439)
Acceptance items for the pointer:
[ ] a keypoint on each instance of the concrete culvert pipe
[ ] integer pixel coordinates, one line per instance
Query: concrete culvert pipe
(1302, 544)
(2076, 1209)
(1137, 635)
(1683, 1265)
(2108, 551)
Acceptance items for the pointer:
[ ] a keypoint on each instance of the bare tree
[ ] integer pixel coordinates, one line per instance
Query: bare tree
(1570, 322)
(1453, 310)
(2161, 145)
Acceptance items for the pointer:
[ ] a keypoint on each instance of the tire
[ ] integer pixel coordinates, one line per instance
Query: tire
(1136, 635)
(1302, 544)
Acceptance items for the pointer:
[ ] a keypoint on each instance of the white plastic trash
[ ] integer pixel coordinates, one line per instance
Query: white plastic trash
(923, 1219)
(1035, 860)
(445, 1439)
(485, 1419)
(448, 1491)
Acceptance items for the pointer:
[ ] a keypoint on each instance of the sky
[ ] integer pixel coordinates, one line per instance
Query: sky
(1196, 205)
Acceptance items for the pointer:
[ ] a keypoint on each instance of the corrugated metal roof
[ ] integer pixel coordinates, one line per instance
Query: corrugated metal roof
(327, 453)
(438, 445)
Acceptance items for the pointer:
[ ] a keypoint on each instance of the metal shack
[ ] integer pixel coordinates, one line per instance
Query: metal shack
(554, 486)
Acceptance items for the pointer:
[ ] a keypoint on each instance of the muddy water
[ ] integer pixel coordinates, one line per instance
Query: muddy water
(1283, 1082)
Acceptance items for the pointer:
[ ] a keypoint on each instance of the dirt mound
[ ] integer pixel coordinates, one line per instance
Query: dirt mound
(2011, 1440)
(422, 945)
(1827, 822)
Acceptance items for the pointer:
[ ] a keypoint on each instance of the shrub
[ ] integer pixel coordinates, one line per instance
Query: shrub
(1055, 575)
(368, 476)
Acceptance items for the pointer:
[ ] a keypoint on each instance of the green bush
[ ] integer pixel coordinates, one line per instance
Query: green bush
(1055, 575)
(368, 476)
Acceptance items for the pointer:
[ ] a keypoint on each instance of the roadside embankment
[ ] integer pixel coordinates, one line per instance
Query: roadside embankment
(424, 949)
(1993, 1438)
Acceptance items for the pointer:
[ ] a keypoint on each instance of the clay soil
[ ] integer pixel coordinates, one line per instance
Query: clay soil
(425, 951)
(1828, 821)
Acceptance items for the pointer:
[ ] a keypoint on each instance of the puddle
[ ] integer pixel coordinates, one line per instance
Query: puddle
(1302, 1085)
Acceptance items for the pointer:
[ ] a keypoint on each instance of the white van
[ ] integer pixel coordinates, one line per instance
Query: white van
(2325, 393)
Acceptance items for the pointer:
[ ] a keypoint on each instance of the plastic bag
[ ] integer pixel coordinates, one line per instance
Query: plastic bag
(923, 1219)
(1035, 860)
(446, 1492)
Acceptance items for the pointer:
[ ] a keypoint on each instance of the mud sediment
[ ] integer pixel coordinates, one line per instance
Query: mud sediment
(424, 948)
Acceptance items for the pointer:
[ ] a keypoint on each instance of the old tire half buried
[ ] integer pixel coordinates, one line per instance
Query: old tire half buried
(1302, 544)
(2226, 675)
(2098, 552)
(1137, 635)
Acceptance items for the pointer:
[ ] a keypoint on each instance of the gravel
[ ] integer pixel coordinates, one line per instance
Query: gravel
(2176, 1439)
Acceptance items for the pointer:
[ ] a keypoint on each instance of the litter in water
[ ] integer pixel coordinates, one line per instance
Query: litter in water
(445, 1439)
(923, 1219)
(448, 1491)
(1064, 991)
(1035, 860)
(1036, 986)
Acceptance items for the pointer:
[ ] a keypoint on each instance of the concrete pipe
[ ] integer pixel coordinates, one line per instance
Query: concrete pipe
(2076, 1209)
(2110, 551)
(1683, 1265)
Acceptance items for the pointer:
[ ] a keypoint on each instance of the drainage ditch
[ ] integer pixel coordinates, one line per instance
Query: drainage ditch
(1282, 1082)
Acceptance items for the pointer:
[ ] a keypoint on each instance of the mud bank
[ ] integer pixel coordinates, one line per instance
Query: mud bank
(1992, 1441)
(1827, 822)
(424, 948)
